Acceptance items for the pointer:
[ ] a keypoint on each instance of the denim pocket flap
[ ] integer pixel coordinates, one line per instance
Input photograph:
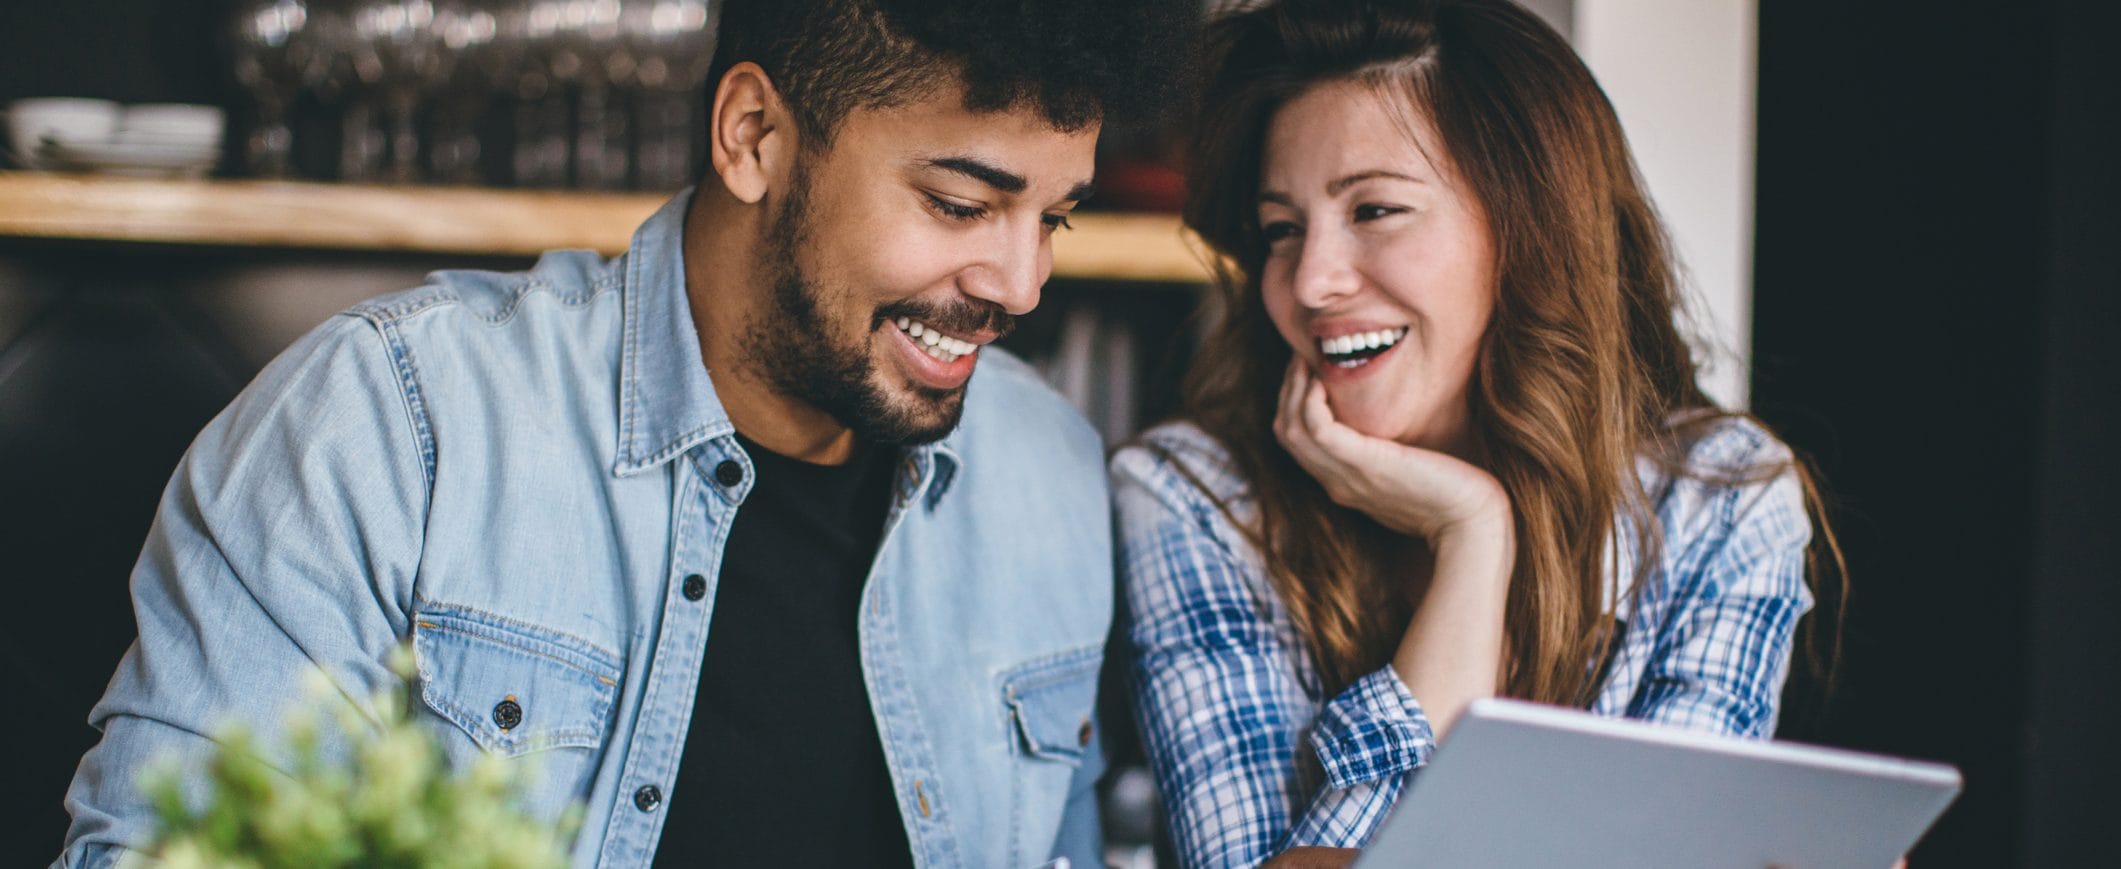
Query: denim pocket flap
(513, 688)
(1052, 701)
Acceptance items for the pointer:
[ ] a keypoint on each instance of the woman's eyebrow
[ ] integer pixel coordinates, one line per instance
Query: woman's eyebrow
(1346, 181)
(1342, 183)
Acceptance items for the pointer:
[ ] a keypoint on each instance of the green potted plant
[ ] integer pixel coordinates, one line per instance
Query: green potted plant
(392, 801)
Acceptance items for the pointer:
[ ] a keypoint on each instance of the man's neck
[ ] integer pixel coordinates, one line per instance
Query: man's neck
(724, 287)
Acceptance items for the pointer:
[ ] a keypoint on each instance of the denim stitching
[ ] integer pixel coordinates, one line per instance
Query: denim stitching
(408, 379)
(500, 628)
(630, 368)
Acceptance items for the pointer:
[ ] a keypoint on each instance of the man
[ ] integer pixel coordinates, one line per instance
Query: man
(714, 531)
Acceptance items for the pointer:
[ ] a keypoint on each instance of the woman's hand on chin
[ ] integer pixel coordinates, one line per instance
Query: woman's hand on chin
(1416, 491)
(1451, 653)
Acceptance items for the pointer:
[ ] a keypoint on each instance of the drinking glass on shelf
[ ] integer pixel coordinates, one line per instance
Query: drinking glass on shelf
(409, 63)
(343, 72)
(270, 51)
(528, 34)
(585, 52)
(673, 47)
(607, 140)
(470, 32)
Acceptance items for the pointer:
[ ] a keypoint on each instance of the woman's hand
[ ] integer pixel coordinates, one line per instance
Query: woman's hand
(1451, 653)
(1414, 491)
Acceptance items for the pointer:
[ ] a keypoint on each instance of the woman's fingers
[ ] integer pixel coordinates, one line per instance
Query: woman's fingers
(1289, 389)
(1317, 413)
(1325, 431)
(1289, 425)
(1405, 488)
(1295, 426)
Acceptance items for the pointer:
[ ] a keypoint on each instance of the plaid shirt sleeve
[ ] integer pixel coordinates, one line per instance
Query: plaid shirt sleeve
(1227, 698)
(1716, 632)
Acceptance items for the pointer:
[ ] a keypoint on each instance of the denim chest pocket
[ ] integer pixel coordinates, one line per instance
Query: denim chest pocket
(513, 688)
(1051, 701)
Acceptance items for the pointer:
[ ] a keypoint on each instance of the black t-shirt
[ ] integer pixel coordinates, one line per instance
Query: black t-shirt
(782, 765)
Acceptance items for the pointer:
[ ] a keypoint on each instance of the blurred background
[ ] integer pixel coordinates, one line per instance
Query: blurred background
(1899, 218)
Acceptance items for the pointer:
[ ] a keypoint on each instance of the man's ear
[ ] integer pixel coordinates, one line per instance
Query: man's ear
(750, 133)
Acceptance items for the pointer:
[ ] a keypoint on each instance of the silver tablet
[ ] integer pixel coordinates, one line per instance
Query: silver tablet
(1523, 785)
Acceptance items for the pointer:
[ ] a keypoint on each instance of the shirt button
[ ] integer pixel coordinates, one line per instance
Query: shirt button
(695, 587)
(507, 713)
(729, 473)
(647, 798)
(1082, 737)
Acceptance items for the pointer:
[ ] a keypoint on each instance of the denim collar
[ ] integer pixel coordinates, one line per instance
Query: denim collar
(667, 403)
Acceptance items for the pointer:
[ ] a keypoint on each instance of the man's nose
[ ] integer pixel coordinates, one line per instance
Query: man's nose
(1014, 273)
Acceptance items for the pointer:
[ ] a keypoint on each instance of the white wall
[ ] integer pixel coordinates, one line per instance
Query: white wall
(1681, 73)
(1560, 14)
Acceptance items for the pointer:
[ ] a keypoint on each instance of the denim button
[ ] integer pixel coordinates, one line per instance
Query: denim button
(729, 473)
(507, 713)
(1082, 737)
(647, 798)
(695, 587)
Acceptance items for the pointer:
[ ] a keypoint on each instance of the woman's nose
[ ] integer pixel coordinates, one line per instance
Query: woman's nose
(1325, 269)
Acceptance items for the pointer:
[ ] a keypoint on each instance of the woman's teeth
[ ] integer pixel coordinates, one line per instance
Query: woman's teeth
(1350, 351)
(943, 347)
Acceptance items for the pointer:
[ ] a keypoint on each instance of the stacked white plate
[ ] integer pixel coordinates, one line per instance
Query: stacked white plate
(152, 139)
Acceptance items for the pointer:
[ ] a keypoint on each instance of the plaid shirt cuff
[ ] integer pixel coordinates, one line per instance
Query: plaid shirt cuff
(1373, 729)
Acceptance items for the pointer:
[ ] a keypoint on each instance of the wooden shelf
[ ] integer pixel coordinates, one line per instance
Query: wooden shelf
(459, 220)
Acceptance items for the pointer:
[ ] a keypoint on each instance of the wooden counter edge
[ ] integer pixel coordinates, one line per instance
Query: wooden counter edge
(443, 220)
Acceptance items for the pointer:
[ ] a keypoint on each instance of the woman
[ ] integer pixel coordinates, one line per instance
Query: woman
(1446, 442)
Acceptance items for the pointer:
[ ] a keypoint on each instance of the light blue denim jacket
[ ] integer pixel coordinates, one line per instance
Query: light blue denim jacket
(518, 471)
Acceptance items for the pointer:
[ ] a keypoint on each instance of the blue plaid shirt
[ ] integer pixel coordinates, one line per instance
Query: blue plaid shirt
(1228, 694)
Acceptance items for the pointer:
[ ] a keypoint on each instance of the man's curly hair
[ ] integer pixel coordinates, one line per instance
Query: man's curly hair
(1077, 62)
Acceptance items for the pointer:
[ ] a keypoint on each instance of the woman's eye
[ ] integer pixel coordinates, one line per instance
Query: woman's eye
(1277, 231)
(1365, 213)
(953, 210)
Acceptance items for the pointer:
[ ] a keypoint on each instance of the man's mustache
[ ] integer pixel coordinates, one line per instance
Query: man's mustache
(971, 317)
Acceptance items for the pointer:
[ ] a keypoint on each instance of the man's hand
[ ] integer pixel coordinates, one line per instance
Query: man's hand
(1410, 490)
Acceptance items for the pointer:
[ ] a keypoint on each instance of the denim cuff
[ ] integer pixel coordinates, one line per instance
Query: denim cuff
(1372, 729)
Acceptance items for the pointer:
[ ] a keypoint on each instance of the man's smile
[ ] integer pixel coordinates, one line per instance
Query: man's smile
(931, 357)
(939, 345)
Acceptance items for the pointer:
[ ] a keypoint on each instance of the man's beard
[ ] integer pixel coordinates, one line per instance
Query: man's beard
(793, 347)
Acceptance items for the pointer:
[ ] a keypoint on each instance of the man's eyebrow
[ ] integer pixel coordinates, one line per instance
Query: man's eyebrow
(992, 176)
(1001, 179)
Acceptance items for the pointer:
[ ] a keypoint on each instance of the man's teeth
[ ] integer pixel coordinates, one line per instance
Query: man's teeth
(1361, 341)
(937, 344)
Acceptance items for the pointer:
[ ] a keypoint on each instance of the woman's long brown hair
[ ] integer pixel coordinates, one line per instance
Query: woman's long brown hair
(1582, 371)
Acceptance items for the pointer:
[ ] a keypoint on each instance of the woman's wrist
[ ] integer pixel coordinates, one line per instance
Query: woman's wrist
(1484, 542)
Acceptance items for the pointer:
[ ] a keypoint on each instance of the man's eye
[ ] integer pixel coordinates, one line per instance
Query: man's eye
(1056, 221)
(1373, 212)
(953, 210)
(1278, 230)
